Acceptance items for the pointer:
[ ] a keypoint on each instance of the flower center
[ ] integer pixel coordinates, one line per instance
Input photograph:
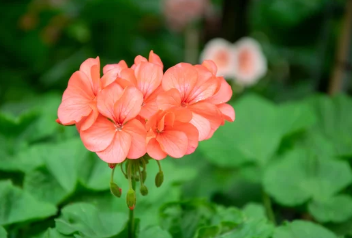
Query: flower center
(118, 127)
(184, 104)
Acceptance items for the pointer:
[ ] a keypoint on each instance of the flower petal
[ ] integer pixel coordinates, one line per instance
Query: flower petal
(107, 98)
(191, 133)
(227, 111)
(202, 125)
(204, 91)
(182, 76)
(119, 66)
(211, 66)
(169, 99)
(117, 151)
(138, 134)
(128, 75)
(155, 59)
(154, 150)
(129, 105)
(148, 77)
(76, 99)
(90, 119)
(209, 112)
(91, 68)
(99, 136)
(223, 94)
(174, 143)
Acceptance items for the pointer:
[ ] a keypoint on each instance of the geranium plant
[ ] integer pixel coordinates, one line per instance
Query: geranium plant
(132, 115)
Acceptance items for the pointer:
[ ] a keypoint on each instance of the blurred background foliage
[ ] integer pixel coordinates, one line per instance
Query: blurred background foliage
(290, 148)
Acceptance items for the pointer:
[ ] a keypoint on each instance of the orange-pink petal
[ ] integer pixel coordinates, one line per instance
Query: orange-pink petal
(174, 143)
(191, 133)
(223, 94)
(119, 66)
(148, 77)
(99, 136)
(155, 59)
(107, 98)
(91, 68)
(117, 151)
(169, 99)
(227, 111)
(76, 99)
(129, 105)
(203, 91)
(138, 134)
(154, 150)
(182, 76)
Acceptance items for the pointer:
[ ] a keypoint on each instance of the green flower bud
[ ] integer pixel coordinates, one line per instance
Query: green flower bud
(159, 178)
(144, 190)
(131, 199)
(115, 190)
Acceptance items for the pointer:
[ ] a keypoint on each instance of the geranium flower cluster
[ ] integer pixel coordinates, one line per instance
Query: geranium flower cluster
(131, 111)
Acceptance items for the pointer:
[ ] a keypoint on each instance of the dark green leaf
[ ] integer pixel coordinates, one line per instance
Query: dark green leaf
(3, 233)
(303, 229)
(87, 221)
(18, 206)
(301, 175)
(334, 209)
(155, 232)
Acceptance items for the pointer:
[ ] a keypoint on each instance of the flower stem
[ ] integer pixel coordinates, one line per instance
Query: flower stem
(131, 231)
(268, 208)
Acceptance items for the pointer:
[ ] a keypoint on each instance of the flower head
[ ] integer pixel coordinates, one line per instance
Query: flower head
(250, 63)
(222, 53)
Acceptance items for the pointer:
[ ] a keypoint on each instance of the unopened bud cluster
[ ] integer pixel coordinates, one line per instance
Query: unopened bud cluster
(135, 171)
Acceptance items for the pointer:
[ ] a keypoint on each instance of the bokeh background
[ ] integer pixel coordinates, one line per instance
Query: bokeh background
(282, 168)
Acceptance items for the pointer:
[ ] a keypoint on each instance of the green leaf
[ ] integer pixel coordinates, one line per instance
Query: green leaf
(295, 117)
(18, 206)
(183, 219)
(300, 175)
(3, 233)
(231, 145)
(52, 233)
(58, 179)
(253, 211)
(302, 229)
(155, 232)
(334, 209)
(11, 126)
(333, 122)
(86, 220)
(251, 228)
(208, 232)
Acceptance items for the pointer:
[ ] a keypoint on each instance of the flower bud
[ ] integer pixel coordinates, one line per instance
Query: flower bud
(115, 190)
(144, 190)
(112, 165)
(131, 199)
(159, 178)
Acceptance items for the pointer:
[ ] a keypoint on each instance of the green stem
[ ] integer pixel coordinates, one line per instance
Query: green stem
(132, 184)
(268, 208)
(131, 229)
(112, 175)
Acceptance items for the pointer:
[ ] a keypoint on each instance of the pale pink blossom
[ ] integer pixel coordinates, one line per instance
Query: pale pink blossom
(250, 63)
(221, 52)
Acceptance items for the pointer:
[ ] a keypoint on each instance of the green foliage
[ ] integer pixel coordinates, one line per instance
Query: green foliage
(296, 154)
(303, 229)
(19, 206)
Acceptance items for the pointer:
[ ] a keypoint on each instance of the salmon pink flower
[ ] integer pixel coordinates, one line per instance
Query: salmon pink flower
(189, 88)
(79, 99)
(223, 54)
(169, 133)
(250, 63)
(116, 134)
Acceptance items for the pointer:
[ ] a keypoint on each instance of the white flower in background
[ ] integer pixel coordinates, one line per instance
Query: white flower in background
(180, 13)
(222, 53)
(250, 63)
